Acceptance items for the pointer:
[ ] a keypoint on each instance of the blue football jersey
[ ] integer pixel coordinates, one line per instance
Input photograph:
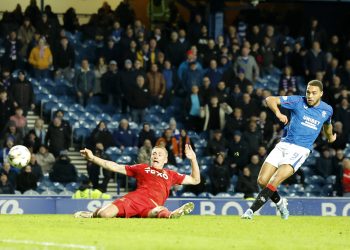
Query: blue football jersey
(305, 122)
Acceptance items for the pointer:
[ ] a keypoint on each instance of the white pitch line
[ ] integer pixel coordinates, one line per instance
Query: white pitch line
(49, 244)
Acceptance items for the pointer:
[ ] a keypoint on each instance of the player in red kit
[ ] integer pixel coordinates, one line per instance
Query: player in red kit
(153, 187)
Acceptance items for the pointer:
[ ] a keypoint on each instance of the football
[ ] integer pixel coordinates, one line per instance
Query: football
(19, 156)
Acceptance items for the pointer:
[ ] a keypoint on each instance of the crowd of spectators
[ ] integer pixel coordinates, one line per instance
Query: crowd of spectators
(213, 79)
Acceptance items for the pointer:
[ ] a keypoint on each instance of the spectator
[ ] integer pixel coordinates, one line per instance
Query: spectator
(288, 82)
(57, 137)
(124, 136)
(12, 58)
(174, 128)
(342, 137)
(36, 168)
(221, 92)
(214, 114)
(182, 141)
(315, 33)
(238, 153)
(64, 60)
(110, 51)
(146, 133)
(346, 73)
(100, 69)
(26, 180)
(84, 83)
(315, 60)
(6, 110)
(25, 36)
(171, 82)
(219, 174)
(217, 144)
(193, 105)
(324, 165)
(85, 191)
(63, 170)
(117, 31)
(12, 133)
(102, 135)
(10, 172)
(170, 143)
(39, 130)
(129, 53)
(253, 137)
(45, 159)
(234, 122)
(268, 54)
(110, 85)
(94, 170)
(31, 141)
(5, 81)
(248, 64)
(70, 20)
(140, 100)
(205, 90)
(5, 149)
(249, 107)
(265, 127)
(127, 83)
(173, 49)
(22, 94)
(156, 84)
(346, 177)
(145, 152)
(246, 184)
(20, 120)
(342, 114)
(5, 186)
(214, 73)
(185, 65)
(338, 167)
(60, 114)
(211, 53)
(284, 57)
(254, 167)
(40, 59)
(333, 69)
(192, 76)
(239, 80)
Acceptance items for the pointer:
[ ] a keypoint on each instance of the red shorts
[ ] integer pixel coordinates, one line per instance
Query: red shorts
(132, 207)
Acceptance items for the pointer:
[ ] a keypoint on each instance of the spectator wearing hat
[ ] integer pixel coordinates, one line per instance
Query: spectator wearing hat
(192, 77)
(110, 85)
(26, 180)
(45, 159)
(185, 65)
(22, 94)
(84, 83)
(57, 137)
(40, 58)
(64, 59)
(6, 109)
(63, 171)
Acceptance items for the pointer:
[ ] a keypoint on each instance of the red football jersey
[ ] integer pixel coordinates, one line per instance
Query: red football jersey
(153, 185)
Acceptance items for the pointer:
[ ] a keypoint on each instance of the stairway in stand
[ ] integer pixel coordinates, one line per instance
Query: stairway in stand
(78, 161)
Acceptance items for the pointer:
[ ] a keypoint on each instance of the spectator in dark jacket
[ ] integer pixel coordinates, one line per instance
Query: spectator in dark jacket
(64, 59)
(5, 186)
(36, 168)
(26, 180)
(219, 174)
(6, 109)
(140, 100)
(173, 48)
(10, 172)
(12, 57)
(110, 85)
(217, 144)
(57, 137)
(238, 153)
(246, 184)
(324, 164)
(124, 137)
(146, 133)
(315, 60)
(127, 83)
(84, 83)
(253, 137)
(288, 82)
(63, 170)
(101, 134)
(21, 93)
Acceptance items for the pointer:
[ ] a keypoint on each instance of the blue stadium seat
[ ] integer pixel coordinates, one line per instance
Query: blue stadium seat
(223, 195)
(130, 151)
(80, 134)
(103, 117)
(46, 82)
(205, 195)
(31, 192)
(331, 179)
(327, 190)
(206, 160)
(314, 190)
(72, 186)
(315, 180)
(49, 192)
(124, 159)
(188, 194)
(66, 193)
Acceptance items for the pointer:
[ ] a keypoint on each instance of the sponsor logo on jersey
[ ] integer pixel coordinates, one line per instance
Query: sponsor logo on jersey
(310, 122)
(148, 170)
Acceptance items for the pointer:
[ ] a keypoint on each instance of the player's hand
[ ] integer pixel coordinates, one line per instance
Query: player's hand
(282, 118)
(190, 154)
(332, 138)
(87, 154)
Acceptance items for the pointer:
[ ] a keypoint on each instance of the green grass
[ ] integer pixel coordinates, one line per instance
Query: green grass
(189, 232)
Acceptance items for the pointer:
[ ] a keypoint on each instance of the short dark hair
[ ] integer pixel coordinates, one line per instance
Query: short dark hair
(316, 83)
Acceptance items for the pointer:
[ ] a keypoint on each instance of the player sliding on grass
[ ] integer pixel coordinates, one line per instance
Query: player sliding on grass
(308, 115)
(153, 187)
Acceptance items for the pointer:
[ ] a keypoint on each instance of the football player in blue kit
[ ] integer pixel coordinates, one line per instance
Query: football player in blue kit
(308, 115)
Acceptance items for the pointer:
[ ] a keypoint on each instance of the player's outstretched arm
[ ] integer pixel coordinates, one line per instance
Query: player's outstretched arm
(108, 165)
(273, 102)
(328, 130)
(195, 177)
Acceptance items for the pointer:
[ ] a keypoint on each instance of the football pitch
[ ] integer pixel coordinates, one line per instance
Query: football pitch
(189, 232)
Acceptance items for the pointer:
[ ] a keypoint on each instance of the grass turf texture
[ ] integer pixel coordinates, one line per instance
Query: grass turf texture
(189, 232)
